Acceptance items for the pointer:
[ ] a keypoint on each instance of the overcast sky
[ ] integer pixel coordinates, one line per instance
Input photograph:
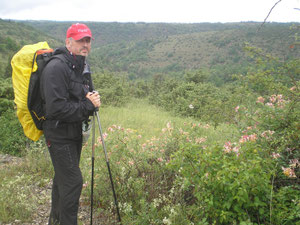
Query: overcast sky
(179, 11)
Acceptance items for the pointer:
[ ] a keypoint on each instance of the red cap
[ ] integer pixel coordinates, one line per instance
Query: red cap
(78, 31)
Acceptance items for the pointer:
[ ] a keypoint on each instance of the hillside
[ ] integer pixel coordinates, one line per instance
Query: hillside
(219, 48)
(113, 32)
(141, 50)
(13, 36)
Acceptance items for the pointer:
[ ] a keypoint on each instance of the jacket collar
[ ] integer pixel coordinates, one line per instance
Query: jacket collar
(75, 62)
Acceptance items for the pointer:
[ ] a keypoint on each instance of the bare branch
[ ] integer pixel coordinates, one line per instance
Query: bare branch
(268, 15)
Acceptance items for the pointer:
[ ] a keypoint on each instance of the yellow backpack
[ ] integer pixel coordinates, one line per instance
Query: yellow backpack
(27, 66)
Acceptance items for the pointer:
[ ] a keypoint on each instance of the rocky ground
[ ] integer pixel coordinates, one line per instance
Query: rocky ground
(8, 160)
(44, 195)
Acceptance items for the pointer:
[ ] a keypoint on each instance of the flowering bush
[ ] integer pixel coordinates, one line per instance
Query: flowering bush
(276, 124)
(202, 174)
(144, 181)
(276, 121)
(227, 184)
(243, 181)
(138, 168)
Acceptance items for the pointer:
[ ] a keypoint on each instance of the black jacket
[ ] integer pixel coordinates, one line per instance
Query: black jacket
(64, 87)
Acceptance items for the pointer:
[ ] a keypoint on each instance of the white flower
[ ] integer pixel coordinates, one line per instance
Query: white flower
(191, 106)
(167, 221)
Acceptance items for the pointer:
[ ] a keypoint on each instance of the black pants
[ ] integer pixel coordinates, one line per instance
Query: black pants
(67, 182)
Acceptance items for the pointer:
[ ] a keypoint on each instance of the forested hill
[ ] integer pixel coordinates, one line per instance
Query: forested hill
(13, 36)
(114, 32)
(143, 49)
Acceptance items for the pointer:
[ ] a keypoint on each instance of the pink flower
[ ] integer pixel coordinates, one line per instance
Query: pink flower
(267, 134)
(159, 159)
(275, 155)
(236, 149)
(85, 184)
(237, 108)
(253, 137)
(227, 147)
(279, 97)
(131, 162)
(289, 172)
(104, 137)
(260, 100)
(246, 138)
(273, 98)
(110, 129)
(200, 140)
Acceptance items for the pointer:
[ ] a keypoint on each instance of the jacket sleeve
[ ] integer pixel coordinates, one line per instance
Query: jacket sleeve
(59, 106)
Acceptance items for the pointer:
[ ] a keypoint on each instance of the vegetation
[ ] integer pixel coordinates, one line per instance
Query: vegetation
(216, 143)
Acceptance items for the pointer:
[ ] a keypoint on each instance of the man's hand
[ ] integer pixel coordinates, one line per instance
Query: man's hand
(94, 97)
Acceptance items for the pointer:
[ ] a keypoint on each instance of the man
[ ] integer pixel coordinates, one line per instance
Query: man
(69, 99)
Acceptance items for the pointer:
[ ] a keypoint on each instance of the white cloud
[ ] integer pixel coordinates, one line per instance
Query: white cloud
(151, 11)
(13, 7)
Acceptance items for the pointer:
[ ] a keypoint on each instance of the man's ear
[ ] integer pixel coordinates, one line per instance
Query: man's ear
(68, 42)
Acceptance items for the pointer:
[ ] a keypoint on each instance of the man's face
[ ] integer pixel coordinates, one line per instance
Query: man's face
(80, 47)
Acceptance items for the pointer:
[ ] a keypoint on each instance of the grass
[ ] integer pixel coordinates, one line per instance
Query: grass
(20, 184)
(147, 120)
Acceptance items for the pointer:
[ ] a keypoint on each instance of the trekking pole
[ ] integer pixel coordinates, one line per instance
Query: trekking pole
(108, 167)
(93, 162)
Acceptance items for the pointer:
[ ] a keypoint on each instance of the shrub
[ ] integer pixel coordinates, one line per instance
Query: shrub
(111, 88)
(277, 120)
(225, 185)
(246, 181)
(12, 138)
(144, 182)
